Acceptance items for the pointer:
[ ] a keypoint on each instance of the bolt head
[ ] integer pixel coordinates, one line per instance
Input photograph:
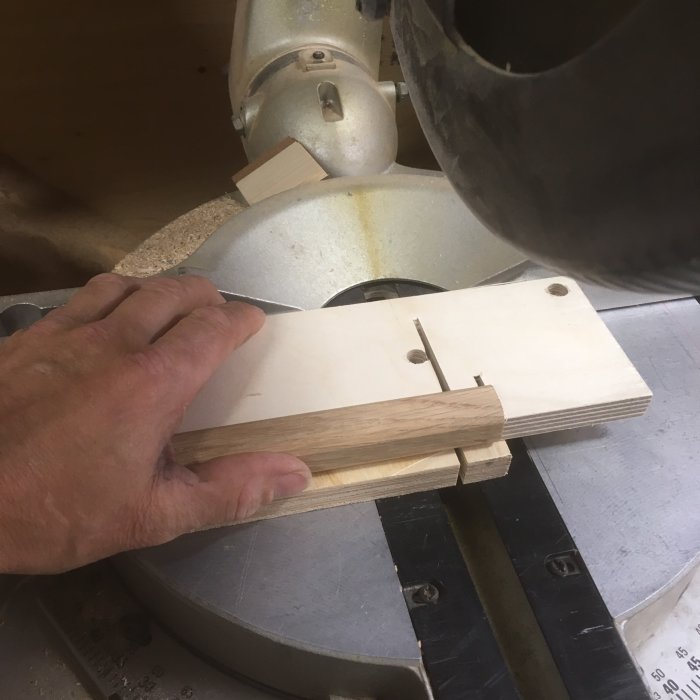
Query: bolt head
(238, 123)
(401, 92)
(427, 594)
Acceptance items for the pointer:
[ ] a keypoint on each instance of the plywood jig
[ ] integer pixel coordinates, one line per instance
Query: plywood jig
(550, 359)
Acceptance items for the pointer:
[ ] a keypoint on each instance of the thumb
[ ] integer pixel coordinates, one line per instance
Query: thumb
(228, 489)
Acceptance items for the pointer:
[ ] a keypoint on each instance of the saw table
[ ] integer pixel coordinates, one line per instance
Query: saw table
(538, 584)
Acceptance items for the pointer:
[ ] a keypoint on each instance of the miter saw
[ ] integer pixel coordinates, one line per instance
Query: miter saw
(574, 576)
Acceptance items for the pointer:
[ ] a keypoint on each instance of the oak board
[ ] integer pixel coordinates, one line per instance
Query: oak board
(365, 434)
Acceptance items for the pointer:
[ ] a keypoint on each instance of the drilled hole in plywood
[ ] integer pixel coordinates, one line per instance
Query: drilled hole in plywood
(557, 289)
(417, 357)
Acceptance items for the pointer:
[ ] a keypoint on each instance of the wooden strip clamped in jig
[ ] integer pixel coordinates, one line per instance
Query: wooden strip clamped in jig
(354, 435)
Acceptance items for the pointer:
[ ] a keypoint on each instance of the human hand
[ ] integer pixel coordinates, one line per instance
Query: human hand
(89, 398)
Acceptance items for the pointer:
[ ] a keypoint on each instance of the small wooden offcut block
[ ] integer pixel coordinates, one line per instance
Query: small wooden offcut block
(286, 166)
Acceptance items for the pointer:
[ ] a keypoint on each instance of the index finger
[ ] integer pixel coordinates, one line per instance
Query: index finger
(99, 297)
(191, 351)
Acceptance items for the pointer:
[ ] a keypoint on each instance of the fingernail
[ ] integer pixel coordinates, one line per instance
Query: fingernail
(291, 483)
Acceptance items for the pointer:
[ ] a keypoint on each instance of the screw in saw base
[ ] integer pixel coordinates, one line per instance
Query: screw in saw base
(563, 564)
(427, 594)
(421, 594)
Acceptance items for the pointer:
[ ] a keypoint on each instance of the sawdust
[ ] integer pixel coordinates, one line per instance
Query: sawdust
(179, 239)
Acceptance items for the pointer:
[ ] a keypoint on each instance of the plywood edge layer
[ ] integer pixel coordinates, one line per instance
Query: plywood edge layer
(576, 418)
